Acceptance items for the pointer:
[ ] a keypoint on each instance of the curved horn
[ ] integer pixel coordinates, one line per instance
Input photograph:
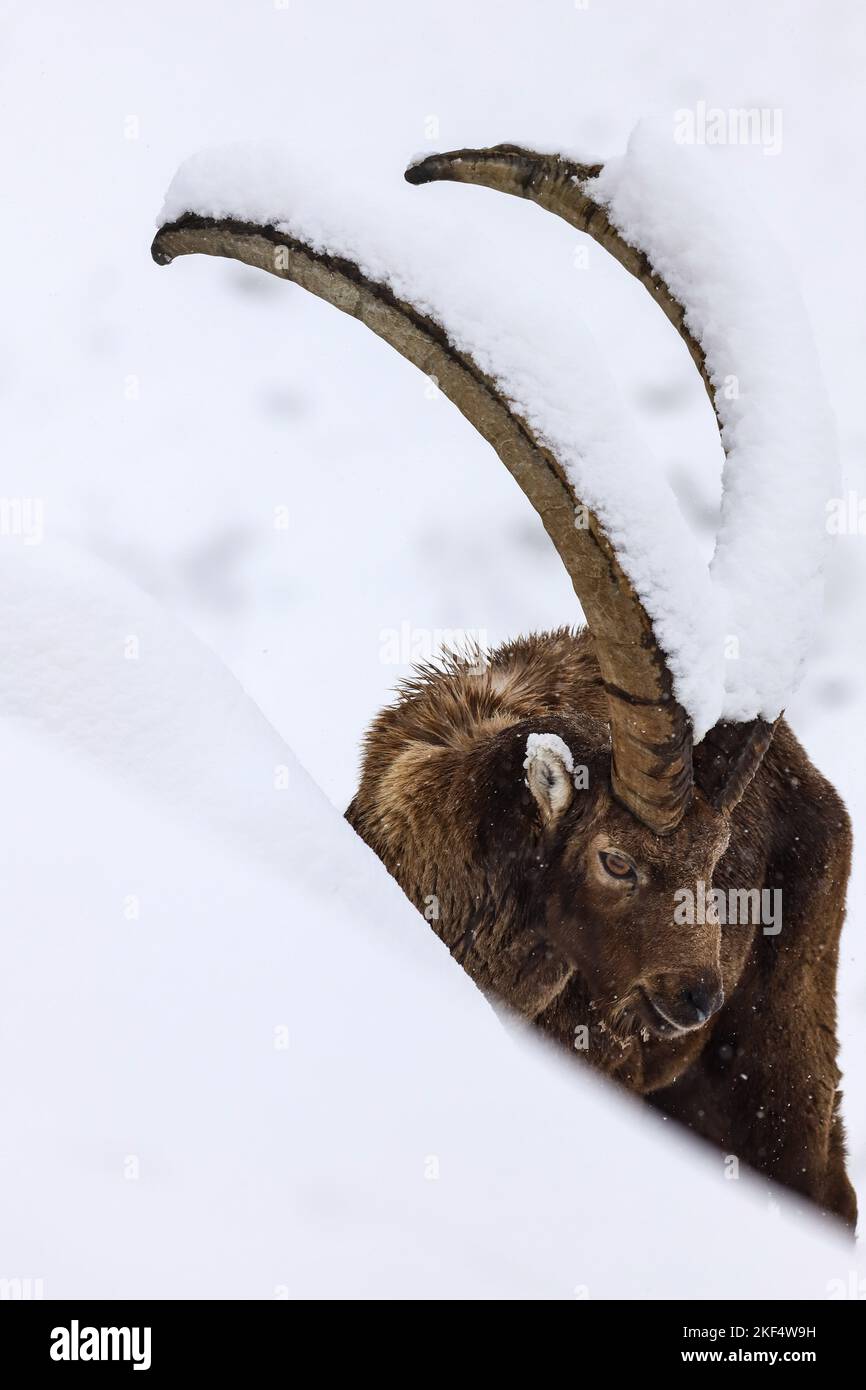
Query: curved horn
(651, 765)
(558, 185)
(728, 757)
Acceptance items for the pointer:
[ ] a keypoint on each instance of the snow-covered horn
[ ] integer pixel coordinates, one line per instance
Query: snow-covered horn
(730, 755)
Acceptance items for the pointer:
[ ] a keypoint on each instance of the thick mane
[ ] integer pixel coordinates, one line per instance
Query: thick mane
(447, 702)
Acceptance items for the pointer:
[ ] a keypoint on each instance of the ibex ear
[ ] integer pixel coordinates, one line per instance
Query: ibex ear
(549, 775)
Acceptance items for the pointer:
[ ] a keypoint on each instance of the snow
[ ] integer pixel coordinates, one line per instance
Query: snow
(163, 418)
(548, 743)
(744, 307)
(240, 1056)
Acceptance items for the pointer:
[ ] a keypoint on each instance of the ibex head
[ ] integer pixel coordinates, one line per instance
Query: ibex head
(653, 816)
(602, 886)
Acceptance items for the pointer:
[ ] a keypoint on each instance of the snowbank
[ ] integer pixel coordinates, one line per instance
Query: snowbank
(238, 1064)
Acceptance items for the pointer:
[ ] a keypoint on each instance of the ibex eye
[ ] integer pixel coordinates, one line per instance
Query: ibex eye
(617, 865)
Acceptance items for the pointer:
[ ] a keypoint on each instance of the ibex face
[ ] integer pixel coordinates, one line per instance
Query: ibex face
(604, 886)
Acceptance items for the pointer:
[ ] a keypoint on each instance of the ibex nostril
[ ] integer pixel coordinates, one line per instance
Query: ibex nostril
(701, 1001)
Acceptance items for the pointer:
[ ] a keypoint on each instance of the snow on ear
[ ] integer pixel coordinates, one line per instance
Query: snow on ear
(549, 774)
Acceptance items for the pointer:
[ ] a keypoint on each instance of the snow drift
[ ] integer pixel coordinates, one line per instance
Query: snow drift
(229, 1037)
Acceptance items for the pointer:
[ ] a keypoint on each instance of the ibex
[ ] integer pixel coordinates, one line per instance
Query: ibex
(551, 804)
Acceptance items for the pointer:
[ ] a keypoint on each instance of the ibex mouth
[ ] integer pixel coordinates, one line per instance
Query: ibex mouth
(653, 1017)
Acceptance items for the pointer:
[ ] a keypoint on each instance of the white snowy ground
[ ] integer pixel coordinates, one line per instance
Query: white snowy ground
(161, 417)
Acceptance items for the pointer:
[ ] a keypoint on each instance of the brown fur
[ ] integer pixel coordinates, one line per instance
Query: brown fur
(521, 902)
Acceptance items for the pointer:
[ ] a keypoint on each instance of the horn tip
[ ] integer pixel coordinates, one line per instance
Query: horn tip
(425, 170)
(447, 164)
(158, 252)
